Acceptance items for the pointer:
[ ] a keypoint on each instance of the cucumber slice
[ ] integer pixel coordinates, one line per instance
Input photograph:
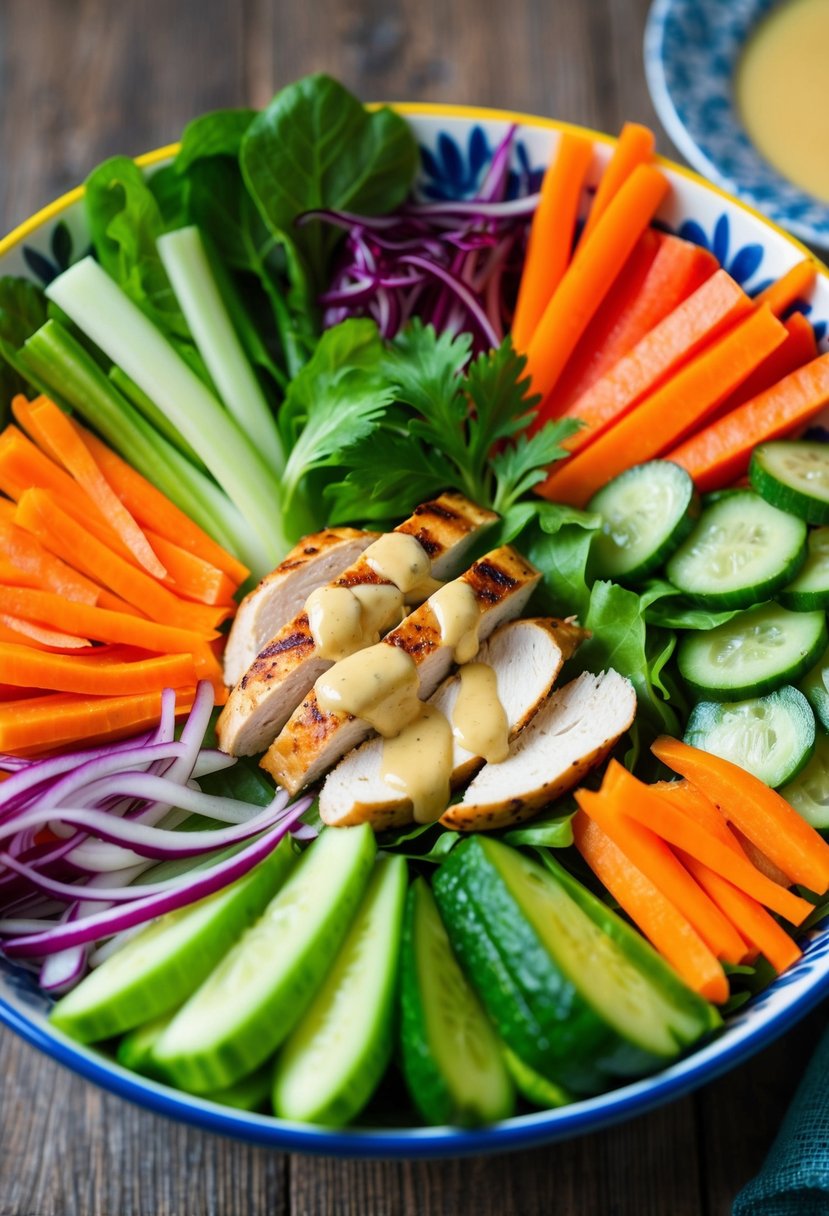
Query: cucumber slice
(256, 995)
(452, 1060)
(772, 737)
(251, 1093)
(810, 589)
(754, 653)
(333, 1061)
(739, 553)
(815, 688)
(793, 475)
(809, 792)
(160, 967)
(572, 989)
(647, 512)
(537, 1090)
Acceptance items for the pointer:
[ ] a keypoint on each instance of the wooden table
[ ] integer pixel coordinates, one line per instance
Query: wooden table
(81, 80)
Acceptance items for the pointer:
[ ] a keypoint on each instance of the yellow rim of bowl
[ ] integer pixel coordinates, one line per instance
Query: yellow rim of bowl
(433, 110)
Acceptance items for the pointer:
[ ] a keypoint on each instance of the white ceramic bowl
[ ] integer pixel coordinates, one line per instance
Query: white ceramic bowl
(456, 143)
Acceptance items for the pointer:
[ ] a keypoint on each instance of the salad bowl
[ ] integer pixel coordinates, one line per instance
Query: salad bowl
(456, 146)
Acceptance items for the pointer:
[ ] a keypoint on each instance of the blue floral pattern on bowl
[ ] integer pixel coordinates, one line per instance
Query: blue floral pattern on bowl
(691, 52)
(455, 171)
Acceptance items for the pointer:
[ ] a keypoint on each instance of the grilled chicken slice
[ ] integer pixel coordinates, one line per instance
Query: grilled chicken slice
(315, 561)
(574, 731)
(313, 740)
(526, 657)
(286, 668)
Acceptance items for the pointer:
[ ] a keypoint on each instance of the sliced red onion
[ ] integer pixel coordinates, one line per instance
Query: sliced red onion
(460, 289)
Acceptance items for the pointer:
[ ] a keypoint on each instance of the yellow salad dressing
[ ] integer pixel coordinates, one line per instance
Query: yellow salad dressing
(782, 92)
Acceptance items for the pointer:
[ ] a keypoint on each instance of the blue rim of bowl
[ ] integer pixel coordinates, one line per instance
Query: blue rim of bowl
(523, 1131)
(691, 48)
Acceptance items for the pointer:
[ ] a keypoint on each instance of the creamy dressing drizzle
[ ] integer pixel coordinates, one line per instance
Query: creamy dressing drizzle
(343, 620)
(418, 763)
(458, 614)
(378, 685)
(479, 722)
(401, 559)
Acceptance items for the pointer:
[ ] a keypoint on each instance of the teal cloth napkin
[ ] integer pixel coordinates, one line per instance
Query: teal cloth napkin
(794, 1180)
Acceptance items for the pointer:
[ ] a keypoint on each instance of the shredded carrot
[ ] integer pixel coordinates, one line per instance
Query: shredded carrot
(759, 812)
(590, 274)
(719, 454)
(94, 674)
(551, 235)
(43, 723)
(669, 413)
(65, 439)
(634, 147)
(651, 856)
(660, 921)
(25, 553)
(673, 342)
(794, 285)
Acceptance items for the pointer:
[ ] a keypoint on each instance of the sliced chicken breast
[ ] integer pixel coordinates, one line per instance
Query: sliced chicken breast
(286, 667)
(526, 657)
(313, 740)
(574, 731)
(280, 595)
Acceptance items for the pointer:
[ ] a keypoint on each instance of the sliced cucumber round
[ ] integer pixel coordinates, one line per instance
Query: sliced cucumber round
(815, 688)
(252, 1000)
(809, 792)
(772, 737)
(810, 588)
(756, 652)
(793, 475)
(647, 511)
(739, 553)
(332, 1062)
(572, 989)
(452, 1059)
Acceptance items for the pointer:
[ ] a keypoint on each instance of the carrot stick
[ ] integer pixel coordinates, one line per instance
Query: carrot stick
(661, 272)
(588, 278)
(670, 344)
(16, 629)
(750, 919)
(38, 513)
(90, 674)
(670, 412)
(25, 553)
(759, 812)
(650, 855)
(758, 858)
(721, 452)
(48, 722)
(681, 830)
(666, 928)
(634, 147)
(794, 285)
(799, 347)
(551, 235)
(153, 510)
(64, 438)
(191, 576)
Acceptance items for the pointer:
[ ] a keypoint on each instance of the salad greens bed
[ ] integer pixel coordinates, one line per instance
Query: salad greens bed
(279, 339)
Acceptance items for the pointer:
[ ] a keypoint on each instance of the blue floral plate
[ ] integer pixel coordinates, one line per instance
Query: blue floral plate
(456, 144)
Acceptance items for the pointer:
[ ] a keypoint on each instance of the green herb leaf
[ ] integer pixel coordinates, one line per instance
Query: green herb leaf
(387, 474)
(524, 463)
(22, 312)
(553, 829)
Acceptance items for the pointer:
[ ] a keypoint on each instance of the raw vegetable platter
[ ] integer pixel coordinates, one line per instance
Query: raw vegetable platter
(457, 147)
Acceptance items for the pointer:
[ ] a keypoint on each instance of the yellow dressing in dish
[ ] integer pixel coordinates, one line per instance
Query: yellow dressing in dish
(378, 685)
(458, 614)
(782, 92)
(478, 719)
(418, 762)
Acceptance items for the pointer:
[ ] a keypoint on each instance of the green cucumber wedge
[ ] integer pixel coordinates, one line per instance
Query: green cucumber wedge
(809, 792)
(810, 588)
(756, 652)
(252, 1000)
(332, 1062)
(452, 1060)
(647, 512)
(793, 475)
(772, 737)
(534, 1088)
(251, 1093)
(160, 967)
(572, 989)
(741, 550)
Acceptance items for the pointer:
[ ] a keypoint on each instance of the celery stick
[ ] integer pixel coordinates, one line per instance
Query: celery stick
(99, 306)
(152, 413)
(188, 268)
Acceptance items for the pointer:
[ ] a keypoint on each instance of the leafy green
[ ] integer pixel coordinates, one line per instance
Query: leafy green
(670, 610)
(433, 842)
(216, 133)
(316, 146)
(558, 543)
(552, 829)
(22, 312)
